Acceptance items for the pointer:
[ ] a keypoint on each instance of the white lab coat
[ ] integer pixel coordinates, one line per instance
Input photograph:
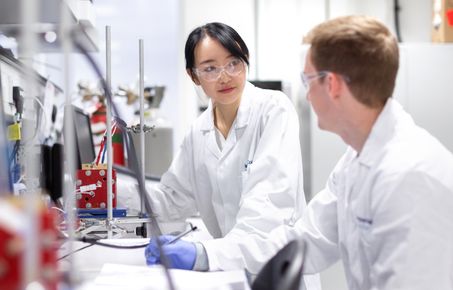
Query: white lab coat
(252, 186)
(387, 213)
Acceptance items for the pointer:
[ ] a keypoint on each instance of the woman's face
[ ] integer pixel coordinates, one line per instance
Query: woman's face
(211, 56)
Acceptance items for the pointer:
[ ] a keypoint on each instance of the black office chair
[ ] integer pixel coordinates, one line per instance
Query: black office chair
(284, 270)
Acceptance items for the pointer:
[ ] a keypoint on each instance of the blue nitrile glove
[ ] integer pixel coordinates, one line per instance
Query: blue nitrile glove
(180, 254)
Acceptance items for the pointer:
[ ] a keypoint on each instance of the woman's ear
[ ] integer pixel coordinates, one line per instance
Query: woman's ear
(193, 76)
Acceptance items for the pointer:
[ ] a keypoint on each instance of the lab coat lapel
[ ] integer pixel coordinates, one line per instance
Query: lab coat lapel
(229, 144)
(212, 144)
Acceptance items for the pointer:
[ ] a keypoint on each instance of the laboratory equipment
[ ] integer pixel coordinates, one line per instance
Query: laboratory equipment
(284, 270)
(91, 187)
(159, 141)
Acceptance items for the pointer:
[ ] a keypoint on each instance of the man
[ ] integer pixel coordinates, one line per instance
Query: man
(387, 209)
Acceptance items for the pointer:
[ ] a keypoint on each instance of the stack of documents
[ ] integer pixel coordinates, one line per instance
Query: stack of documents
(116, 276)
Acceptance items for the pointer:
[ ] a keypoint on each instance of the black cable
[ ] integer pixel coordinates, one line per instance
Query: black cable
(130, 149)
(98, 243)
(14, 152)
(75, 251)
(397, 9)
(13, 161)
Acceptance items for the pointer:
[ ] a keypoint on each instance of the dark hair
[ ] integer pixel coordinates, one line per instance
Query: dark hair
(225, 34)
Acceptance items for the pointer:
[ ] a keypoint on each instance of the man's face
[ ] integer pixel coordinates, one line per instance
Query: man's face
(318, 94)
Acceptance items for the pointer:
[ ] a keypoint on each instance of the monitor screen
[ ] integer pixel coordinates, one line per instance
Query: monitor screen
(84, 138)
(271, 85)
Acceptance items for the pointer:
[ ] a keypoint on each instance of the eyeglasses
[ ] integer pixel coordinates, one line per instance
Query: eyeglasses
(308, 78)
(212, 73)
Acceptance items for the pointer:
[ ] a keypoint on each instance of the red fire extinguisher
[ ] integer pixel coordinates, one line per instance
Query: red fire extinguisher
(100, 116)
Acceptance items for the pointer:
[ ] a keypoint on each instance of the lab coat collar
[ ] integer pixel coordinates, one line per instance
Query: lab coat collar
(207, 123)
(383, 130)
(243, 115)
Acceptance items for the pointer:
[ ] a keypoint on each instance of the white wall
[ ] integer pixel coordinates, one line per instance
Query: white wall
(424, 87)
(415, 16)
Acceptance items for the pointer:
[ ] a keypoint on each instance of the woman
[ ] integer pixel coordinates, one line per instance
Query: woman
(239, 166)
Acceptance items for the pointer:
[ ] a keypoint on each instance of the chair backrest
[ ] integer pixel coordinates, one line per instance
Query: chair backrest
(284, 270)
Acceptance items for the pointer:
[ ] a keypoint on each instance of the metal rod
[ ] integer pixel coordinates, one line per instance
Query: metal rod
(192, 228)
(69, 140)
(257, 37)
(142, 118)
(108, 43)
(327, 9)
(30, 162)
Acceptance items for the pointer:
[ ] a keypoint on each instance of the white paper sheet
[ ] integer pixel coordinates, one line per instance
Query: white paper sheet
(117, 276)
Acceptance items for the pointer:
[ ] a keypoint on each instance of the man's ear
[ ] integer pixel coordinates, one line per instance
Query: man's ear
(336, 84)
(193, 76)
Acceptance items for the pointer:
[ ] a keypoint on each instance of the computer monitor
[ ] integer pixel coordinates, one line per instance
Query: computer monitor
(271, 85)
(53, 155)
(84, 137)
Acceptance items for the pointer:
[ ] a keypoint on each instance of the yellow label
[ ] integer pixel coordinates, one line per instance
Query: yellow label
(14, 132)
